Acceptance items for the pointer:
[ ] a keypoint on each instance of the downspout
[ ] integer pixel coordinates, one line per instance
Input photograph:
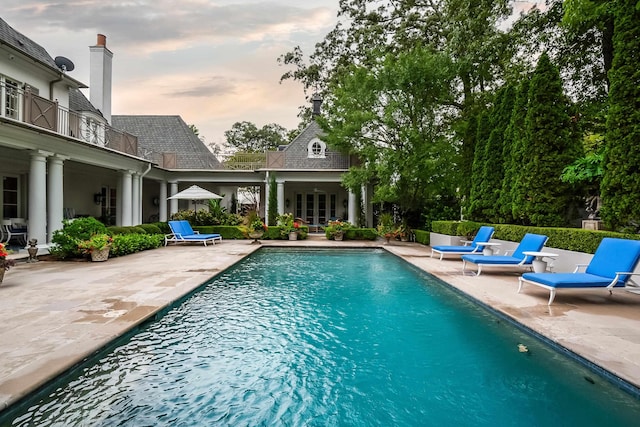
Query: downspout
(52, 83)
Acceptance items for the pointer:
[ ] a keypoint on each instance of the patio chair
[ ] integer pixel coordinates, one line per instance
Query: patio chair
(610, 268)
(483, 235)
(181, 232)
(14, 229)
(529, 243)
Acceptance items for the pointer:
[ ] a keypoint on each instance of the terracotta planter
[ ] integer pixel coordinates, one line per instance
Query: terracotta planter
(100, 255)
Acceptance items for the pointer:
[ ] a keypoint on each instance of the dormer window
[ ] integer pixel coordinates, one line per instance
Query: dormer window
(316, 149)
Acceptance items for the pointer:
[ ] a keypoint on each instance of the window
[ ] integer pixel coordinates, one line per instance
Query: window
(11, 98)
(316, 149)
(9, 197)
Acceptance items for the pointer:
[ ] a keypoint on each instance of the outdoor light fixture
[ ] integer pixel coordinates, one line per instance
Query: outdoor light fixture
(97, 198)
(345, 203)
(287, 203)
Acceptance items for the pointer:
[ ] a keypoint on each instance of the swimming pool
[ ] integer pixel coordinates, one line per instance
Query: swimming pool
(330, 338)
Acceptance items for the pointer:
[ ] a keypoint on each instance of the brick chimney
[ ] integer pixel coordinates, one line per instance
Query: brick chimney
(100, 59)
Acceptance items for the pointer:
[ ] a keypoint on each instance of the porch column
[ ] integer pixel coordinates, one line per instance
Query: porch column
(173, 203)
(136, 207)
(55, 195)
(352, 212)
(37, 208)
(125, 198)
(162, 202)
(267, 188)
(280, 193)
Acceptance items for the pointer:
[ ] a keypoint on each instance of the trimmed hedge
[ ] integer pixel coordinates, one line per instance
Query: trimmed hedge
(129, 229)
(571, 239)
(124, 244)
(422, 236)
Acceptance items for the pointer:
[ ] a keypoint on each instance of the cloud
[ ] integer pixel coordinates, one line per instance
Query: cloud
(165, 25)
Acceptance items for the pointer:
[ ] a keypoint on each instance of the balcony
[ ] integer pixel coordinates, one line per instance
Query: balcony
(27, 107)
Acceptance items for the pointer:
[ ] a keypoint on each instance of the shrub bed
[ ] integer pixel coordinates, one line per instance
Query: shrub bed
(571, 239)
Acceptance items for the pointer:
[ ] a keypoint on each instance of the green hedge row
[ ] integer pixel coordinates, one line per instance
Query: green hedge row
(422, 236)
(571, 239)
(124, 244)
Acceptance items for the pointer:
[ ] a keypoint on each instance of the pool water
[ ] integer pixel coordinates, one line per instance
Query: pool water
(330, 338)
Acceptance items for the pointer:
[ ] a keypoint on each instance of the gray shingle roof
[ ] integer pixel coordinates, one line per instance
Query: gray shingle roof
(79, 102)
(168, 134)
(24, 44)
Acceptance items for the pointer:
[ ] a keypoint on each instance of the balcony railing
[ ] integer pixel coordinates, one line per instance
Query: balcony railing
(27, 107)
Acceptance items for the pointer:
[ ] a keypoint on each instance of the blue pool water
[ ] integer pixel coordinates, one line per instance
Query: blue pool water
(326, 338)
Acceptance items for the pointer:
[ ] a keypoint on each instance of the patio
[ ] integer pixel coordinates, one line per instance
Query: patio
(58, 313)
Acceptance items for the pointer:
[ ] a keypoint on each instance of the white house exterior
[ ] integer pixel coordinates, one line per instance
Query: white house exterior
(62, 155)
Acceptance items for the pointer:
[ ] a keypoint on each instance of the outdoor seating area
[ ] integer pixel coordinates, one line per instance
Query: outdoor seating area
(610, 268)
(14, 229)
(182, 232)
(530, 243)
(483, 235)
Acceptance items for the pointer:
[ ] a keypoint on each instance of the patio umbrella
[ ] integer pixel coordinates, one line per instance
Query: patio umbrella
(195, 193)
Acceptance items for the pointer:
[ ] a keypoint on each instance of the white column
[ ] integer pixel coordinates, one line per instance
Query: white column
(55, 195)
(173, 203)
(37, 218)
(352, 212)
(125, 198)
(136, 203)
(162, 200)
(280, 194)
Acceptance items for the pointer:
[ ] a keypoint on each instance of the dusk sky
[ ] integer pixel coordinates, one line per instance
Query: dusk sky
(211, 62)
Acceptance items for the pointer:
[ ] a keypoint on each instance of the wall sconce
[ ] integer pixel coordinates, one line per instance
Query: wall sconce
(97, 198)
(287, 203)
(155, 201)
(345, 203)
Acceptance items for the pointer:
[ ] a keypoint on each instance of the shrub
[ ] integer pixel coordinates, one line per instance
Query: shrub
(65, 241)
(151, 228)
(124, 244)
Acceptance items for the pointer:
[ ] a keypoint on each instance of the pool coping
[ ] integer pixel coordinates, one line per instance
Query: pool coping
(34, 349)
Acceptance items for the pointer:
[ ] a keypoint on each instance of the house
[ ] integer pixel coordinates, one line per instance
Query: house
(63, 155)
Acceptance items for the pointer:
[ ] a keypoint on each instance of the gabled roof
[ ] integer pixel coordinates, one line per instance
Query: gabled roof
(24, 44)
(79, 102)
(168, 134)
(28, 47)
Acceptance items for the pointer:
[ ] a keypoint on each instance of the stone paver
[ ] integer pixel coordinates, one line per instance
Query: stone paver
(55, 314)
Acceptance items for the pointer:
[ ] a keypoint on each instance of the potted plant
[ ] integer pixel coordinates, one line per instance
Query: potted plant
(337, 228)
(5, 262)
(288, 227)
(97, 246)
(386, 227)
(403, 232)
(255, 226)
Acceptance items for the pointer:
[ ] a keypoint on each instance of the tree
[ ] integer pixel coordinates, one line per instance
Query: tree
(620, 197)
(512, 154)
(392, 118)
(493, 167)
(549, 147)
(272, 214)
(246, 137)
(476, 203)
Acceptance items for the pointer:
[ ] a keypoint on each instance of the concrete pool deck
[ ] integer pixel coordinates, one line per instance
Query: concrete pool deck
(55, 314)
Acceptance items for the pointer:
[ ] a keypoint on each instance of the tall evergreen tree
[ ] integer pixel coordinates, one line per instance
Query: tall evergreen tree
(550, 146)
(621, 181)
(476, 205)
(512, 152)
(493, 169)
(466, 157)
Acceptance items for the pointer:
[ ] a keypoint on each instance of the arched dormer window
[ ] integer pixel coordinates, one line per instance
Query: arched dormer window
(316, 149)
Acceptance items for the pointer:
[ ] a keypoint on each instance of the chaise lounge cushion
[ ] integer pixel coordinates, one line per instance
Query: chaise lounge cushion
(570, 280)
(483, 235)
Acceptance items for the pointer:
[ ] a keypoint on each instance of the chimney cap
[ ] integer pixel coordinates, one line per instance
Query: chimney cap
(102, 40)
(317, 102)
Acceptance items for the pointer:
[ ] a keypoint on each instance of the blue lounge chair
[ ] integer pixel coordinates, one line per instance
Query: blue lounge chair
(530, 243)
(611, 267)
(482, 236)
(181, 232)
